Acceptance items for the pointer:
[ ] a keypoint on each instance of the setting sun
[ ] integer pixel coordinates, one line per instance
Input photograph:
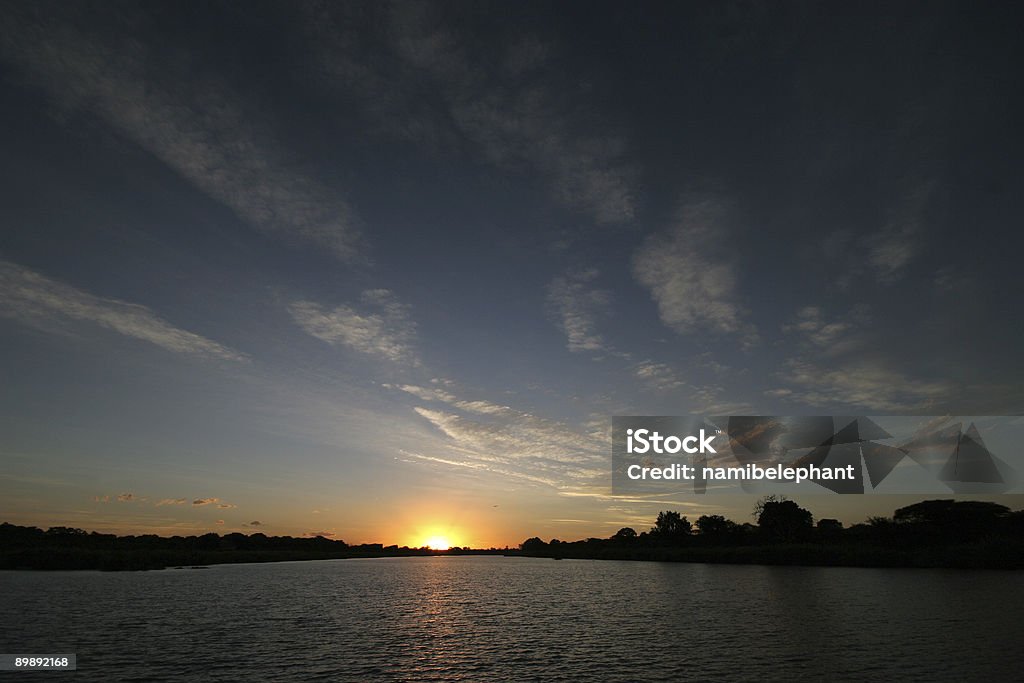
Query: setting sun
(437, 543)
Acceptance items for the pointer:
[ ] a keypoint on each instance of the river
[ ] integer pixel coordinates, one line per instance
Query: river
(496, 618)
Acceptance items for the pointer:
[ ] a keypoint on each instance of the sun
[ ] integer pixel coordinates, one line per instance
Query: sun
(437, 543)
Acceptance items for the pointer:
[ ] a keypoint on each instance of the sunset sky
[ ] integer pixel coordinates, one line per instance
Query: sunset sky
(386, 271)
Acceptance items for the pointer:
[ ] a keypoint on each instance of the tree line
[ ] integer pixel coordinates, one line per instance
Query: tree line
(932, 533)
(61, 547)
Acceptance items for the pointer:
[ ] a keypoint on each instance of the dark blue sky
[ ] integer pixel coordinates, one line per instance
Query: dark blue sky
(295, 263)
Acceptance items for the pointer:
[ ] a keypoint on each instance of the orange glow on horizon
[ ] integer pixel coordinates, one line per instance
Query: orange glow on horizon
(437, 543)
(442, 524)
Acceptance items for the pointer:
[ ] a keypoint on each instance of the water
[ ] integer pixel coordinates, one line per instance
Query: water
(494, 618)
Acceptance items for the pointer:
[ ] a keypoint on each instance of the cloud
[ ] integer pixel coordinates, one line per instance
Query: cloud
(426, 393)
(779, 393)
(255, 523)
(433, 394)
(325, 534)
(891, 249)
(187, 118)
(691, 274)
(120, 498)
(220, 522)
(197, 502)
(502, 441)
(576, 306)
(518, 435)
(863, 383)
(715, 400)
(657, 376)
(419, 78)
(387, 333)
(582, 173)
(844, 362)
(830, 338)
(482, 407)
(35, 300)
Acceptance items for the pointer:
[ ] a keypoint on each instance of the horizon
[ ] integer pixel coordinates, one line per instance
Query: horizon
(442, 544)
(387, 271)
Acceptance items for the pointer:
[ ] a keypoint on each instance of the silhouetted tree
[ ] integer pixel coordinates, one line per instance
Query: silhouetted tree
(208, 541)
(715, 526)
(625, 535)
(533, 545)
(784, 520)
(670, 525)
(950, 512)
(829, 529)
(938, 520)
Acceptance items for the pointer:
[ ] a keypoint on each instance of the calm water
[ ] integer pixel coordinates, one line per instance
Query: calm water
(493, 618)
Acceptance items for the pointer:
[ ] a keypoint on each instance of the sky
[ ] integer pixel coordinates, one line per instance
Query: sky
(385, 271)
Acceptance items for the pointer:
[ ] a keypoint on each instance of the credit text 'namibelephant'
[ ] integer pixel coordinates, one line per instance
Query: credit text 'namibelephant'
(645, 441)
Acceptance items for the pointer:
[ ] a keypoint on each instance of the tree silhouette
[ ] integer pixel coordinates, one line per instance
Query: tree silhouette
(714, 525)
(533, 545)
(950, 512)
(957, 520)
(671, 525)
(784, 520)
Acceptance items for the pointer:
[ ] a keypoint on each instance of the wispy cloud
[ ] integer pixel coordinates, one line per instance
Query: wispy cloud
(35, 300)
(835, 363)
(191, 121)
(198, 502)
(891, 249)
(491, 439)
(387, 332)
(119, 498)
(517, 436)
(658, 376)
(691, 274)
(530, 122)
(862, 383)
(425, 393)
(829, 337)
(576, 305)
(582, 173)
(434, 394)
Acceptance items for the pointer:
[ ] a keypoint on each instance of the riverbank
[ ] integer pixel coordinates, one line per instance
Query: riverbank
(62, 559)
(982, 555)
(992, 554)
(63, 548)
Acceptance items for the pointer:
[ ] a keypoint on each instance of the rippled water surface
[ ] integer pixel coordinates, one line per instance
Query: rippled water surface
(495, 618)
